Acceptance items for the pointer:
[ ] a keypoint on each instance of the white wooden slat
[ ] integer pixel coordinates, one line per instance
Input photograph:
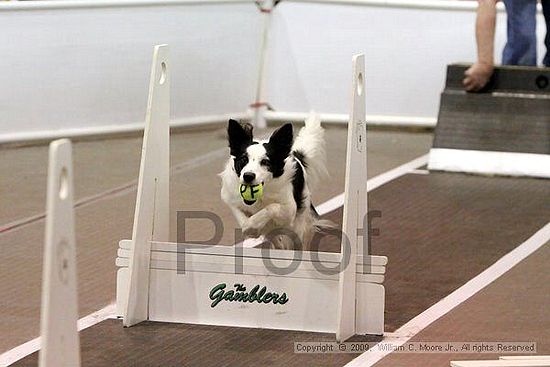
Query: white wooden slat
(526, 357)
(151, 218)
(59, 312)
(252, 261)
(221, 250)
(203, 267)
(355, 201)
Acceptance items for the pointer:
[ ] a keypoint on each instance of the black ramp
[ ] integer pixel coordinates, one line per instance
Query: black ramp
(489, 123)
(512, 114)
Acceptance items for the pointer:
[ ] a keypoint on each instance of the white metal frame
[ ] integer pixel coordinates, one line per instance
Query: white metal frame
(149, 287)
(258, 109)
(414, 4)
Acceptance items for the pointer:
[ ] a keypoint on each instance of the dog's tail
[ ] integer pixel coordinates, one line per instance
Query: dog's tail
(321, 225)
(317, 230)
(309, 148)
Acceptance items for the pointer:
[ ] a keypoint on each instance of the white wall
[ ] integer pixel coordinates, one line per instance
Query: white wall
(73, 67)
(406, 47)
(87, 68)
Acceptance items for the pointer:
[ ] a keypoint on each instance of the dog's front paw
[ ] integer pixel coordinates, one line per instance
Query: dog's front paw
(251, 228)
(251, 232)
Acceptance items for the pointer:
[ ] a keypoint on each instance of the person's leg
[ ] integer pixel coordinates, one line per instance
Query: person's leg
(521, 46)
(546, 12)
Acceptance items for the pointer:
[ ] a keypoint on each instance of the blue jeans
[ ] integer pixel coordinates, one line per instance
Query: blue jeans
(521, 47)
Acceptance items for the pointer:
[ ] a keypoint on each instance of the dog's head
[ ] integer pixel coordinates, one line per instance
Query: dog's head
(256, 162)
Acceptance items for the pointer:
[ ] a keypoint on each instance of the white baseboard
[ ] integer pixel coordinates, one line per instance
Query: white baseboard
(45, 135)
(271, 116)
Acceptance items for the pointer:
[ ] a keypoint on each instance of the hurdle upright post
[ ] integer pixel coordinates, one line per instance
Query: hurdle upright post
(151, 218)
(355, 203)
(60, 345)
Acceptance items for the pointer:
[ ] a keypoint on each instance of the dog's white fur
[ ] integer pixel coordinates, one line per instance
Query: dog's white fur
(277, 209)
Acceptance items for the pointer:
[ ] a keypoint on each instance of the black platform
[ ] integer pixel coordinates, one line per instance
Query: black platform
(512, 113)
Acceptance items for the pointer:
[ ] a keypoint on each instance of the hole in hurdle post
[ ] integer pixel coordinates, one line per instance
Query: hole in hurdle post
(360, 84)
(541, 82)
(162, 73)
(63, 254)
(63, 184)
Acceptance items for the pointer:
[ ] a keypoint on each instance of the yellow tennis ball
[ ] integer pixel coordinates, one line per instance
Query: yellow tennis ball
(251, 193)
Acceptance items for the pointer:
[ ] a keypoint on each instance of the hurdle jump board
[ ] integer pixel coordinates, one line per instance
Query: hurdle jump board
(311, 295)
(504, 130)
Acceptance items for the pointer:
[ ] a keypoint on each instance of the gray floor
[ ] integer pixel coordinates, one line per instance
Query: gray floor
(438, 230)
(104, 165)
(513, 308)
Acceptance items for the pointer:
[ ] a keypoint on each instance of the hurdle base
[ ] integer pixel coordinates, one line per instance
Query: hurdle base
(186, 297)
(169, 302)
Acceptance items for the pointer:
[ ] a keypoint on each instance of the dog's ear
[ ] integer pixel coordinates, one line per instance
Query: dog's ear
(239, 136)
(281, 140)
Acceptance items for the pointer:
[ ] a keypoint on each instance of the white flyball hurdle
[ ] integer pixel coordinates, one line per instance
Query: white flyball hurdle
(231, 285)
(60, 344)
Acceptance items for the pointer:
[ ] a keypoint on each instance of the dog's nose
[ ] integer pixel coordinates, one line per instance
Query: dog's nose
(248, 177)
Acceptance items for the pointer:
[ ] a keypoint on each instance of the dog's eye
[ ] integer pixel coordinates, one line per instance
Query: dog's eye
(240, 162)
(264, 162)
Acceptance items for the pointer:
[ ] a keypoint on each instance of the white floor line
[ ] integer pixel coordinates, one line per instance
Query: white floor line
(420, 172)
(375, 182)
(424, 319)
(23, 350)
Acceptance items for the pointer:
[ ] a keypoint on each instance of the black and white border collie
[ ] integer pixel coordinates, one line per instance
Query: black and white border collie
(288, 169)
